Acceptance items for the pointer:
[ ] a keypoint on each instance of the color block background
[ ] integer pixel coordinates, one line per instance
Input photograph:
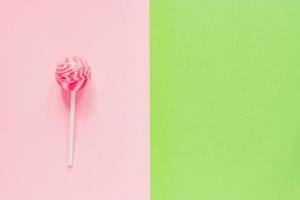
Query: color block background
(112, 133)
(225, 100)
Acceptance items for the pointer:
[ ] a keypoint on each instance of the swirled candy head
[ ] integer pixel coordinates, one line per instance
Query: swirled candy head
(72, 73)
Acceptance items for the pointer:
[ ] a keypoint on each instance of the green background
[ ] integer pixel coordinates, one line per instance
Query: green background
(225, 99)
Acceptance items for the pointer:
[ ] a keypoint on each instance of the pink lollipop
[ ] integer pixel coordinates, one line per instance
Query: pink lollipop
(72, 74)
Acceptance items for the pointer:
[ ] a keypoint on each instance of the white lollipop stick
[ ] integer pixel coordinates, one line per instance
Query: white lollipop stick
(71, 133)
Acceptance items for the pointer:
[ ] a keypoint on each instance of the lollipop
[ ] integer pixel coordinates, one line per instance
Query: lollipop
(72, 74)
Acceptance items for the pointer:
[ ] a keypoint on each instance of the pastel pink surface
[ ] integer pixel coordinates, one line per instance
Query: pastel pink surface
(112, 117)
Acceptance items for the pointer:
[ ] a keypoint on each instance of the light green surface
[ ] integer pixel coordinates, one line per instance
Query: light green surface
(225, 99)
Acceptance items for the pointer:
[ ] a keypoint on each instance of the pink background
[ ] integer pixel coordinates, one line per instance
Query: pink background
(112, 133)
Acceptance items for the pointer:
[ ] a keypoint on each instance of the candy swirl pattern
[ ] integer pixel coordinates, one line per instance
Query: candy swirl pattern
(73, 73)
